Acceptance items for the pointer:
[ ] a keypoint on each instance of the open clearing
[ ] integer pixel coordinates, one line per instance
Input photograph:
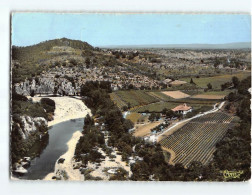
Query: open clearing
(134, 117)
(176, 94)
(178, 82)
(217, 81)
(144, 130)
(211, 97)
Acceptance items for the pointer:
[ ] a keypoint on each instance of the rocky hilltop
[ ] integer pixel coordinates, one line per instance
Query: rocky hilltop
(62, 66)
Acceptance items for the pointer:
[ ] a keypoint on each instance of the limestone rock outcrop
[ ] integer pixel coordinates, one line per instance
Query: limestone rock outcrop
(51, 85)
(28, 125)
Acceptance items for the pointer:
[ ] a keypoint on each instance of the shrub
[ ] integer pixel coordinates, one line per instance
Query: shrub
(73, 61)
(18, 97)
(48, 104)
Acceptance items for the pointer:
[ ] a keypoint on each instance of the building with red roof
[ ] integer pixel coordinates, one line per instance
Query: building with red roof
(183, 109)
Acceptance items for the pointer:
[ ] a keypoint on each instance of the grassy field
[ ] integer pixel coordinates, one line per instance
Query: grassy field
(155, 107)
(144, 130)
(159, 95)
(196, 101)
(134, 98)
(208, 96)
(134, 117)
(217, 81)
(225, 92)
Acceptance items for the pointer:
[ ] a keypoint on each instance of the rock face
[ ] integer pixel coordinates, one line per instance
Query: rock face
(45, 86)
(25, 132)
(28, 125)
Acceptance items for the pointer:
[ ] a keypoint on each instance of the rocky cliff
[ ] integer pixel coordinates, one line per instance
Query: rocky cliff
(52, 85)
(27, 134)
(27, 126)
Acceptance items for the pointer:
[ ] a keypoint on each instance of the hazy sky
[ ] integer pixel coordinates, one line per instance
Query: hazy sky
(130, 29)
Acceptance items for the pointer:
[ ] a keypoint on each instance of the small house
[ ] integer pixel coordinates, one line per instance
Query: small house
(182, 109)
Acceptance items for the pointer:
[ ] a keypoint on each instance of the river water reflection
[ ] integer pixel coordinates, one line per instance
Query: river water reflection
(59, 135)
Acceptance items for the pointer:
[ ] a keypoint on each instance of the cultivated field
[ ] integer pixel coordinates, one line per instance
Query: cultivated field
(176, 94)
(196, 140)
(217, 81)
(133, 98)
(155, 107)
(225, 92)
(210, 97)
(159, 106)
(160, 96)
(156, 101)
(117, 100)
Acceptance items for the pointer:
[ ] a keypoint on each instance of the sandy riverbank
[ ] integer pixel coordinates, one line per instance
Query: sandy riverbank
(67, 108)
(67, 165)
(70, 108)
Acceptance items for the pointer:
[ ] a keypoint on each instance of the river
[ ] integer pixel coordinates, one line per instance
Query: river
(59, 135)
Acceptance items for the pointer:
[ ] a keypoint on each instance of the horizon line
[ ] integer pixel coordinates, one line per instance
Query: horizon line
(104, 46)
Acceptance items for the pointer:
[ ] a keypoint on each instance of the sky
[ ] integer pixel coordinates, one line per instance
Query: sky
(131, 29)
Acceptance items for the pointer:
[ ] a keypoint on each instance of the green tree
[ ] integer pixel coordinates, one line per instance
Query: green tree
(235, 81)
(191, 81)
(209, 86)
(152, 117)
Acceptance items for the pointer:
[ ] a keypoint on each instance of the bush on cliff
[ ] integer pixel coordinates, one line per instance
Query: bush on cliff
(48, 104)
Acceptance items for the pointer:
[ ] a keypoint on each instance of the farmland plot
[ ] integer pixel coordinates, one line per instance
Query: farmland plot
(160, 96)
(176, 94)
(155, 107)
(217, 81)
(117, 100)
(196, 140)
(135, 97)
(210, 97)
(159, 106)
